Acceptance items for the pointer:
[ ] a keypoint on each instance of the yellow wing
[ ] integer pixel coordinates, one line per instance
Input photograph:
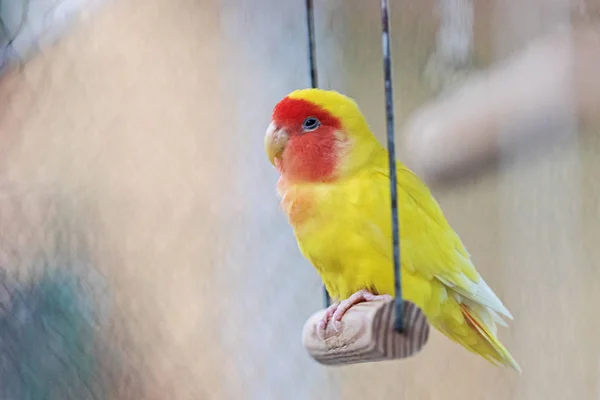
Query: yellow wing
(440, 253)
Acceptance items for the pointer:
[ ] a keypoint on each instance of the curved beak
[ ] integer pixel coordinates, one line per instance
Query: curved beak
(275, 141)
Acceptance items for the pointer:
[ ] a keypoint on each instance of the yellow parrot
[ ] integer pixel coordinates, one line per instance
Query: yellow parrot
(334, 188)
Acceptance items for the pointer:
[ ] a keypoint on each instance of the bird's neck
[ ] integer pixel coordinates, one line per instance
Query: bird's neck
(364, 155)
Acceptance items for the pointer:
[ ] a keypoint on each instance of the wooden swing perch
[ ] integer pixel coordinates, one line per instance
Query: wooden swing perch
(368, 334)
(377, 330)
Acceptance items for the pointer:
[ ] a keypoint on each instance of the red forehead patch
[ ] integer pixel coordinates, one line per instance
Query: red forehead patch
(294, 111)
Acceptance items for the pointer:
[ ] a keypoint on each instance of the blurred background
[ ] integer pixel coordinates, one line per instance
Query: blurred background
(144, 255)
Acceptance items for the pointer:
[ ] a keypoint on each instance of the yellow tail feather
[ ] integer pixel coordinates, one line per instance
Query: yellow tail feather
(500, 353)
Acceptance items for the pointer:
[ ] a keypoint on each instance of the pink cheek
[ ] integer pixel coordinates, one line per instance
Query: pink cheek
(290, 154)
(309, 158)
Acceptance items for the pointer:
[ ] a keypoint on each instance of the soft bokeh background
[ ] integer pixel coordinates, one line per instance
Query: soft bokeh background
(148, 118)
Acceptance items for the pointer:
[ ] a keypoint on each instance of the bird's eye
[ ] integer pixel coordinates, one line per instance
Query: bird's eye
(310, 124)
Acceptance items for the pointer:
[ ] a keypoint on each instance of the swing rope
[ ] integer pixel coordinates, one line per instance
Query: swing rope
(389, 113)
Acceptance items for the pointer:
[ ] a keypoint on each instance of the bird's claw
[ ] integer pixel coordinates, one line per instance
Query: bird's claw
(335, 312)
(322, 328)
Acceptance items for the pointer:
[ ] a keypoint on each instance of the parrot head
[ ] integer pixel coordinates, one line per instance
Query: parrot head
(318, 136)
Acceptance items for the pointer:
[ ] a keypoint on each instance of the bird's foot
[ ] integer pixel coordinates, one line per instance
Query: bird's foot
(336, 311)
(325, 320)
